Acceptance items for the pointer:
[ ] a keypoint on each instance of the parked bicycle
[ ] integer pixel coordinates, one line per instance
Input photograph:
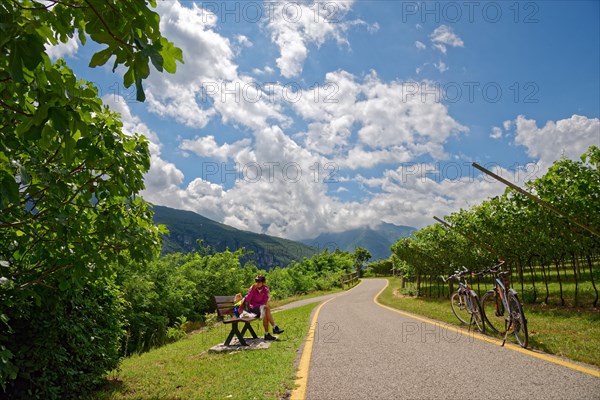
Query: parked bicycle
(502, 308)
(465, 302)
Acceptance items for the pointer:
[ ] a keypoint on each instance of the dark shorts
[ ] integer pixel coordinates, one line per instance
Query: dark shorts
(255, 310)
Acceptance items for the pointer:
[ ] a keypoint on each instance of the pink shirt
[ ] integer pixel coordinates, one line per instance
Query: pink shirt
(257, 298)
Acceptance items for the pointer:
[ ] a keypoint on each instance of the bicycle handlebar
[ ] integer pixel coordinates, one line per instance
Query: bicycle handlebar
(456, 275)
(492, 270)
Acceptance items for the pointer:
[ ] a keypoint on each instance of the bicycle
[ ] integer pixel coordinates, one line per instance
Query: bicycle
(465, 302)
(502, 305)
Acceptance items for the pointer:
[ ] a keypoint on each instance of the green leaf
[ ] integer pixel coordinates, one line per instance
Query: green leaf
(101, 57)
(128, 78)
(140, 96)
(64, 285)
(170, 55)
(15, 63)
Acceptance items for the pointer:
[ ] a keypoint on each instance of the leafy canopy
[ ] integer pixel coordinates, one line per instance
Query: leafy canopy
(69, 175)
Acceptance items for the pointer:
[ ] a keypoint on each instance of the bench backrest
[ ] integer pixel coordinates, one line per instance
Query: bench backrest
(224, 305)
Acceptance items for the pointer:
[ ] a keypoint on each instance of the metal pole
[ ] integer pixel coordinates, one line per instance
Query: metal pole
(447, 225)
(536, 199)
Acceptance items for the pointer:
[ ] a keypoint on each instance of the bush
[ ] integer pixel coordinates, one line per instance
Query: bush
(160, 294)
(64, 346)
(530, 295)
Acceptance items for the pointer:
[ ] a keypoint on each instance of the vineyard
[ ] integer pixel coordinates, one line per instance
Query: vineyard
(552, 252)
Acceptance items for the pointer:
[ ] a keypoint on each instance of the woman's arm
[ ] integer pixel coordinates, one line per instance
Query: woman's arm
(249, 296)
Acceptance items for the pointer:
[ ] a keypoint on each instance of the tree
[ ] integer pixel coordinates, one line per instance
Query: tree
(361, 256)
(69, 179)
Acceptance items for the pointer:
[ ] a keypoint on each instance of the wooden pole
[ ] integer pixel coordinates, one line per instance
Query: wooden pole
(537, 199)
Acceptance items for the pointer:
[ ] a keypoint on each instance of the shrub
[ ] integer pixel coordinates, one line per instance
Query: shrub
(64, 345)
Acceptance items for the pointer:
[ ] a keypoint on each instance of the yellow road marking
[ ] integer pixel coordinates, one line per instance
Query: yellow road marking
(488, 339)
(301, 383)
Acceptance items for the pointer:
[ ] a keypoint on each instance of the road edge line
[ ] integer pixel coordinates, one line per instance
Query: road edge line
(543, 356)
(301, 383)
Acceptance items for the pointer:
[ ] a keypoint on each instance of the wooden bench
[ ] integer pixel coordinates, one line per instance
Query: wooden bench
(224, 305)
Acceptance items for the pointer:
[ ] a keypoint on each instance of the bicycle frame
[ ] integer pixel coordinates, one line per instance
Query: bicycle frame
(502, 290)
(464, 290)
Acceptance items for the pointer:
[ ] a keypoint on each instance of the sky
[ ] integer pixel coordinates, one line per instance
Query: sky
(298, 118)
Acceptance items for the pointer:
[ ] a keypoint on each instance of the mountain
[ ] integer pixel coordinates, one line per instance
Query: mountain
(377, 240)
(186, 227)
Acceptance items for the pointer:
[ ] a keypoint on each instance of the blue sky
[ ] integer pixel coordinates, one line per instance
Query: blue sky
(296, 118)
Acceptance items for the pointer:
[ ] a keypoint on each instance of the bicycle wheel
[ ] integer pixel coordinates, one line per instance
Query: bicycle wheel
(460, 308)
(493, 311)
(477, 314)
(519, 323)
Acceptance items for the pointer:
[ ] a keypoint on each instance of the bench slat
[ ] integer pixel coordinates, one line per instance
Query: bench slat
(224, 299)
(229, 321)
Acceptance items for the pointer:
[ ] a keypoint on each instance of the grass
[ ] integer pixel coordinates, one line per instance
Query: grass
(567, 332)
(287, 300)
(185, 370)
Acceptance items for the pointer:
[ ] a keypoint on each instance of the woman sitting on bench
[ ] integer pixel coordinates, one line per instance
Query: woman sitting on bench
(257, 299)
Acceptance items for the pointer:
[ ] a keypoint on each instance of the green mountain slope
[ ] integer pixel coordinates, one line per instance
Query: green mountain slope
(186, 227)
(377, 240)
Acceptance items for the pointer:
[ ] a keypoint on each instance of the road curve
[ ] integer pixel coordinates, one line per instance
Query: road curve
(364, 351)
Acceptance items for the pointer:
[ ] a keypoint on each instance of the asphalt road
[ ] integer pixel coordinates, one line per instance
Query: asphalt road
(364, 351)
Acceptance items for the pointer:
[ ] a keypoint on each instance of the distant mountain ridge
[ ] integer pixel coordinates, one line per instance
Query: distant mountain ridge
(186, 227)
(377, 240)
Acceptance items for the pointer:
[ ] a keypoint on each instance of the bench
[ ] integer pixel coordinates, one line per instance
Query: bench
(224, 305)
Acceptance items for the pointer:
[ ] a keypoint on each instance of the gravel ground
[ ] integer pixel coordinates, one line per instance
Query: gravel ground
(364, 351)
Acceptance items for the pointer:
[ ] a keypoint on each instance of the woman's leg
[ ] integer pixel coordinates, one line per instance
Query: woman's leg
(269, 316)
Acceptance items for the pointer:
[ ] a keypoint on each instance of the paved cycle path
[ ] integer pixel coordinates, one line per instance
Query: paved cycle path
(364, 351)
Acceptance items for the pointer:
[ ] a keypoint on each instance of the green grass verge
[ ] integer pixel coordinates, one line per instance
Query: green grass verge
(185, 370)
(287, 300)
(571, 333)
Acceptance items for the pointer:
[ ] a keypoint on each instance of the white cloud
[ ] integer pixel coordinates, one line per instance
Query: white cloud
(569, 137)
(164, 178)
(131, 123)
(265, 71)
(441, 66)
(507, 124)
(417, 124)
(243, 41)
(208, 60)
(420, 45)
(294, 26)
(207, 85)
(496, 133)
(207, 146)
(67, 49)
(444, 36)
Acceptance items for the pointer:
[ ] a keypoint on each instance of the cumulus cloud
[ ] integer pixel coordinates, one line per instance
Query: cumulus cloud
(568, 137)
(496, 133)
(444, 36)
(67, 49)
(207, 85)
(164, 178)
(207, 146)
(420, 45)
(243, 41)
(208, 59)
(294, 26)
(417, 123)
